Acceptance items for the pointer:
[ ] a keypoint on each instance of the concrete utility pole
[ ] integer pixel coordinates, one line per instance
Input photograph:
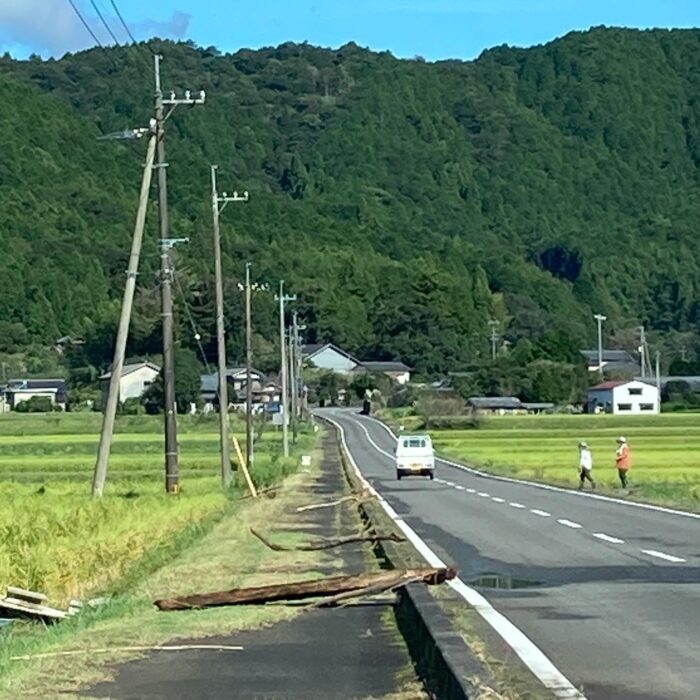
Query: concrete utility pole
(223, 200)
(494, 338)
(172, 469)
(110, 410)
(600, 318)
(292, 383)
(248, 369)
(658, 378)
(283, 369)
(642, 351)
(298, 373)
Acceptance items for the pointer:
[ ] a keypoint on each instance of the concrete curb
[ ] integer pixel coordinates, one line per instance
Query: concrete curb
(442, 658)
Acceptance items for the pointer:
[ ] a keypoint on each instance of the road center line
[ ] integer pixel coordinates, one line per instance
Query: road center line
(608, 538)
(459, 488)
(662, 555)
(471, 490)
(483, 494)
(569, 523)
(496, 499)
(516, 505)
(542, 513)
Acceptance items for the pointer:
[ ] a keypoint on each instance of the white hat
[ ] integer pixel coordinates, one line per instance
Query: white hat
(622, 438)
(583, 444)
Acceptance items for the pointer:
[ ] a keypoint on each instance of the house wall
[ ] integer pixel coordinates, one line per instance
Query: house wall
(636, 398)
(400, 377)
(134, 384)
(330, 359)
(18, 396)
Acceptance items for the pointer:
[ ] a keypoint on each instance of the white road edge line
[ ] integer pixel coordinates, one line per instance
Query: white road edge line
(547, 487)
(569, 523)
(662, 555)
(530, 654)
(542, 513)
(512, 504)
(608, 538)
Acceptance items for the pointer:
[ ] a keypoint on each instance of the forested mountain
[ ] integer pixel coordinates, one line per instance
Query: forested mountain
(405, 202)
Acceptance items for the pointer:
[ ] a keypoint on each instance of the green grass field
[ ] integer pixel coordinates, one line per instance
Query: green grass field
(55, 538)
(665, 451)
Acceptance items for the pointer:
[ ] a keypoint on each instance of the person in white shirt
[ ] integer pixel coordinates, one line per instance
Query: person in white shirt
(585, 465)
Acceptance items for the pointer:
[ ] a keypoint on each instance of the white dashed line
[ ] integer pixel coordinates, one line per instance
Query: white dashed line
(495, 499)
(607, 538)
(662, 555)
(459, 488)
(569, 523)
(471, 490)
(449, 483)
(516, 505)
(484, 495)
(542, 513)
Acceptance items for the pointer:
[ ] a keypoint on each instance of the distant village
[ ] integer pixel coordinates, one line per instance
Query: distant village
(615, 386)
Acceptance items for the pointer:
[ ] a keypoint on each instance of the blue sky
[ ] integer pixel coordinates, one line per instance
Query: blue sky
(434, 29)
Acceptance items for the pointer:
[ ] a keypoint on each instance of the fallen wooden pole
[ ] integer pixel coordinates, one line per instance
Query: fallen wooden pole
(328, 544)
(301, 590)
(358, 498)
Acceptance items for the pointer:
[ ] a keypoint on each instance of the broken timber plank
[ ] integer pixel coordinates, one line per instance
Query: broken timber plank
(300, 590)
(330, 543)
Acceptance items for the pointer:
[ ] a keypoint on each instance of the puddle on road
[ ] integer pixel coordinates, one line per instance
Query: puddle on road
(490, 580)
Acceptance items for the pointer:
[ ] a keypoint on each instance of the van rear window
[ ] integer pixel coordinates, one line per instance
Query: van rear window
(415, 442)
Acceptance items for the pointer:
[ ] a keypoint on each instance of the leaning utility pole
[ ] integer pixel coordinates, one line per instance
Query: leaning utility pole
(283, 368)
(172, 469)
(216, 200)
(110, 410)
(248, 371)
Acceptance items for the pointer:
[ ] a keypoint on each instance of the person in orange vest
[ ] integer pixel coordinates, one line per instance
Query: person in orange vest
(623, 460)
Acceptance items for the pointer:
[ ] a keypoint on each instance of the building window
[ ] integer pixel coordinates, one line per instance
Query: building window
(624, 407)
(646, 406)
(635, 391)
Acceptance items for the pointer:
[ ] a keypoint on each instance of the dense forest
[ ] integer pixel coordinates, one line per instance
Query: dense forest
(406, 203)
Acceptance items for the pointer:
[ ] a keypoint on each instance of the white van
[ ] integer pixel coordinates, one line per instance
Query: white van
(414, 456)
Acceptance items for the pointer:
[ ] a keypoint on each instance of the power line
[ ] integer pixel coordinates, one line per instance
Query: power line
(195, 332)
(104, 22)
(121, 19)
(85, 24)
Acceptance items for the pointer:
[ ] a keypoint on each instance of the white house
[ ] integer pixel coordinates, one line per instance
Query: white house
(624, 398)
(133, 382)
(330, 357)
(398, 371)
(19, 390)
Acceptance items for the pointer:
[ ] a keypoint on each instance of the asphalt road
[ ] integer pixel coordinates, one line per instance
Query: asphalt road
(615, 594)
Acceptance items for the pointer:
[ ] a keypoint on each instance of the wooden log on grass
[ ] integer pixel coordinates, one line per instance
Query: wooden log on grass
(329, 543)
(301, 590)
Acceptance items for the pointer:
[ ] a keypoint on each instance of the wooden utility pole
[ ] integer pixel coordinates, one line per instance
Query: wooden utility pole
(248, 371)
(172, 468)
(283, 369)
(110, 410)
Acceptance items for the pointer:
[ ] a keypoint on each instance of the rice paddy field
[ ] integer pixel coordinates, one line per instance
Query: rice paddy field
(665, 451)
(55, 538)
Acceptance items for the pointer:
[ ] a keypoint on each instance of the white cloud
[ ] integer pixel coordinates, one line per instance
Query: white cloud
(51, 27)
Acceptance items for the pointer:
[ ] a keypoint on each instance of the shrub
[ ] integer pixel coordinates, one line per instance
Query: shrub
(37, 404)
